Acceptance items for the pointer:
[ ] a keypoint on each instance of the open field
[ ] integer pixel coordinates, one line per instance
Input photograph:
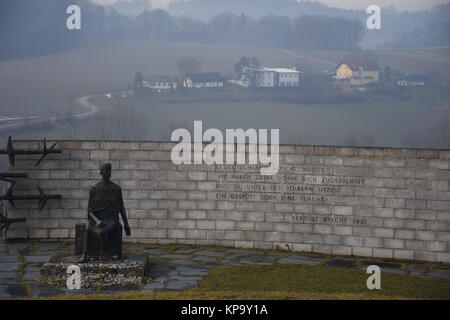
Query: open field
(51, 85)
(382, 124)
(418, 60)
(387, 124)
(426, 54)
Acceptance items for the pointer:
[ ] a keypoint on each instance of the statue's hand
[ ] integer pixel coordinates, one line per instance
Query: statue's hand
(99, 225)
(127, 230)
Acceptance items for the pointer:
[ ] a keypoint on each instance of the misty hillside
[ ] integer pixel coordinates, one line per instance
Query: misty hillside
(45, 31)
(256, 8)
(433, 33)
(32, 28)
(131, 7)
(393, 22)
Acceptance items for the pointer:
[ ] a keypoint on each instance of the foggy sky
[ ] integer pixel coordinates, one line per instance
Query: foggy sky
(348, 4)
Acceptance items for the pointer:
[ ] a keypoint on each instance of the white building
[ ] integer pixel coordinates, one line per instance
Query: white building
(413, 80)
(264, 78)
(288, 77)
(246, 78)
(205, 80)
(276, 77)
(160, 83)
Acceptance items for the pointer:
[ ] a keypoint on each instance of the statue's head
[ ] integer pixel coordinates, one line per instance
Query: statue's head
(105, 171)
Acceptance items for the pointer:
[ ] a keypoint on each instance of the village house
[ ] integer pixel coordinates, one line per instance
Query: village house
(245, 79)
(358, 72)
(205, 80)
(160, 84)
(287, 77)
(264, 77)
(412, 80)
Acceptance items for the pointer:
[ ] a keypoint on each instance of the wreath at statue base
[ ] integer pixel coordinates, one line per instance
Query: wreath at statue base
(131, 270)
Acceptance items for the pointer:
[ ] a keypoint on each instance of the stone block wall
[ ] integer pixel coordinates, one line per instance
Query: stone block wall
(374, 202)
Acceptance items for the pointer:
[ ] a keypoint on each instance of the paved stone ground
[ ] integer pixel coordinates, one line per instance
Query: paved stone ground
(175, 268)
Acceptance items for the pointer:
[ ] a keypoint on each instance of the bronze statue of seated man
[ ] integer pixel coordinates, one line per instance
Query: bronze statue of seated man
(105, 205)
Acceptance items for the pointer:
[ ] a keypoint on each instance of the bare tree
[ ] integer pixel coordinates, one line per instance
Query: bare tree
(176, 125)
(297, 136)
(440, 133)
(412, 139)
(362, 140)
(121, 123)
(188, 65)
(350, 140)
(302, 64)
(138, 79)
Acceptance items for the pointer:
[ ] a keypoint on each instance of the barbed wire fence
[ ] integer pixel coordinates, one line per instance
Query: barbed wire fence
(3, 188)
(3, 207)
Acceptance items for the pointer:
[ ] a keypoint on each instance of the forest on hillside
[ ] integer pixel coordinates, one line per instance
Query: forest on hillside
(394, 22)
(31, 28)
(38, 27)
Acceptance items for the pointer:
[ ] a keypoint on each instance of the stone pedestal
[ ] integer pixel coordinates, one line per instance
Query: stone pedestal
(131, 270)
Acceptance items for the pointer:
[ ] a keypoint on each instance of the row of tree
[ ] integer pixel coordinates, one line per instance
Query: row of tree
(29, 27)
(434, 34)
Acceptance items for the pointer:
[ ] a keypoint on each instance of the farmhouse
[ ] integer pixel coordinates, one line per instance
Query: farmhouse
(205, 80)
(358, 72)
(412, 80)
(287, 77)
(160, 83)
(263, 77)
(275, 77)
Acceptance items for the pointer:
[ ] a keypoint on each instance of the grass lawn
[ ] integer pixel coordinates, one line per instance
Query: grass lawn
(294, 282)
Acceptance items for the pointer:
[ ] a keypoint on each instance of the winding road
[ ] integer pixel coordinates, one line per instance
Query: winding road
(15, 123)
(93, 109)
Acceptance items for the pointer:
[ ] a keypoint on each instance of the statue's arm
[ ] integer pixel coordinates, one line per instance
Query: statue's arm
(90, 213)
(123, 213)
(96, 220)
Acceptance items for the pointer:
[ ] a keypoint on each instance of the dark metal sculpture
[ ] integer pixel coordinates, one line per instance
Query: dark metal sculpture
(41, 197)
(12, 152)
(8, 176)
(5, 223)
(105, 205)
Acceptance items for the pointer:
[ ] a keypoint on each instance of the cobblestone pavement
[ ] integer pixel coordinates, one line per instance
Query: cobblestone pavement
(175, 268)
